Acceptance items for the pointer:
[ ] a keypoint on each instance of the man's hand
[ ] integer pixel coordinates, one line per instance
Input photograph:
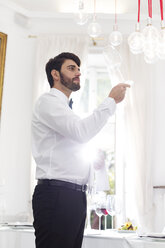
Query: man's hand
(118, 92)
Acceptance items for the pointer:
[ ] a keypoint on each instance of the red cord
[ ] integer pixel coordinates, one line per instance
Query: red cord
(139, 10)
(161, 9)
(150, 8)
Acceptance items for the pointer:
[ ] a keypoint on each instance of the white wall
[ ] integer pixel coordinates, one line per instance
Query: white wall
(15, 155)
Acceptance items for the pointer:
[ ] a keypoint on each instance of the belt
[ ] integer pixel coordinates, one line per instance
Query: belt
(64, 184)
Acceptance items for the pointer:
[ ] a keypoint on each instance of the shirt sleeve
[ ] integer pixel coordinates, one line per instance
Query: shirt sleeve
(59, 117)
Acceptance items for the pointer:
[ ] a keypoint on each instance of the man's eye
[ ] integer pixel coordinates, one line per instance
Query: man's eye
(71, 68)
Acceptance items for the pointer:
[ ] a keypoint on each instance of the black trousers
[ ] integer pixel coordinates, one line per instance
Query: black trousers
(59, 216)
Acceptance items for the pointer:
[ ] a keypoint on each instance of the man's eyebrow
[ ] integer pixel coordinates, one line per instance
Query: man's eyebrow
(71, 66)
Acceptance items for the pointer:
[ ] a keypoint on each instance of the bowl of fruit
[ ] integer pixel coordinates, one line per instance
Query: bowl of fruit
(127, 227)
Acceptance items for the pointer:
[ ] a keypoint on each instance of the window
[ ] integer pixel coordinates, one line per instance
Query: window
(95, 89)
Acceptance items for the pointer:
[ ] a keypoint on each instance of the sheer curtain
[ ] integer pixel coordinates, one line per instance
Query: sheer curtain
(48, 46)
(139, 130)
(139, 146)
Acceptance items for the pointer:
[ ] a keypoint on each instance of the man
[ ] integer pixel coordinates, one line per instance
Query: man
(58, 139)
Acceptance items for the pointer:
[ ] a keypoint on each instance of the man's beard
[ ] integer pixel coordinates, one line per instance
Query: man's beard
(69, 83)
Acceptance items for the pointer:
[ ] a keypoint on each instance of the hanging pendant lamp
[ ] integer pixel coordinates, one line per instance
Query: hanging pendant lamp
(151, 36)
(94, 28)
(136, 39)
(115, 38)
(81, 17)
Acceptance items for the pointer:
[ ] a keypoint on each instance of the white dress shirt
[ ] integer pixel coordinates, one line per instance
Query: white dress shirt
(59, 137)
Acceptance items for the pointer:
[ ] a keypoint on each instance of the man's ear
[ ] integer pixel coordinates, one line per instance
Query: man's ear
(55, 74)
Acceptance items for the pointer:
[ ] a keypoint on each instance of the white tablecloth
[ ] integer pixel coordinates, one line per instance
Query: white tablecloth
(15, 238)
(10, 238)
(113, 239)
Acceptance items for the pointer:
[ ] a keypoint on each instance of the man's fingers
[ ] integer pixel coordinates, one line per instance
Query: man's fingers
(125, 85)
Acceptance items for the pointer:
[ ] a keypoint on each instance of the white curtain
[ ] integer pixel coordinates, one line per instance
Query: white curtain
(140, 133)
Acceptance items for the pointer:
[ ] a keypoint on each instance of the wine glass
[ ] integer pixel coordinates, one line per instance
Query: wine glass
(110, 207)
(99, 213)
(105, 213)
(100, 206)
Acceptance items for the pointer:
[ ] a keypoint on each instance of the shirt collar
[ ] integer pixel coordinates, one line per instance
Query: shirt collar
(59, 94)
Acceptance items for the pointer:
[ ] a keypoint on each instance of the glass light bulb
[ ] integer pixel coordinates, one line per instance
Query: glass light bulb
(115, 38)
(151, 35)
(81, 17)
(136, 40)
(161, 44)
(94, 29)
(151, 32)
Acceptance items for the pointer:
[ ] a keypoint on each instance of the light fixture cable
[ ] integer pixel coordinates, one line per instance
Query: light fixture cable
(94, 12)
(150, 8)
(149, 12)
(115, 12)
(138, 20)
(161, 11)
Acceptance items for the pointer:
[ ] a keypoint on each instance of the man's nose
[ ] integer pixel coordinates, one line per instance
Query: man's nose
(78, 73)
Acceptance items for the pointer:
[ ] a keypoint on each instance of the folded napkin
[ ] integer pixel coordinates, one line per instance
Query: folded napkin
(154, 235)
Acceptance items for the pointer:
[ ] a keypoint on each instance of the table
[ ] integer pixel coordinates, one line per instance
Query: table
(17, 238)
(113, 239)
(24, 238)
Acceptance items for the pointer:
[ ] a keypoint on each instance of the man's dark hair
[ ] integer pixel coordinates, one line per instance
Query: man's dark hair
(56, 63)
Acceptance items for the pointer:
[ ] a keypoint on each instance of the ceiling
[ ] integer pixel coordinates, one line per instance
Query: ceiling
(62, 7)
(56, 16)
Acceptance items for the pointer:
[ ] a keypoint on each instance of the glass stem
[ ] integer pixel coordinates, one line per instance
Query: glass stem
(99, 223)
(88, 219)
(105, 222)
(112, 221)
